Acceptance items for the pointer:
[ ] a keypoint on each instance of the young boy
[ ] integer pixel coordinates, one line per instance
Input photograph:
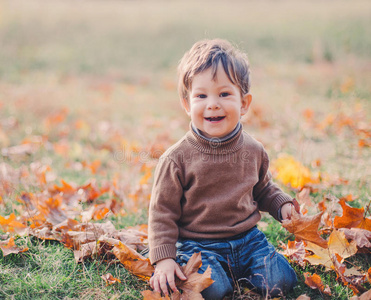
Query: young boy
(210, 186)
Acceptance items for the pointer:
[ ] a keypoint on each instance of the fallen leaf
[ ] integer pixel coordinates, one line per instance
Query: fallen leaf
(11, 225)
(305, 227)
(109, 279)
(85, 251)
(132, 260)
(8, 246)
(291, 172)
(195, 282)
(295, 251)
(304, 197)
(352, 217)
(362, 237)
(338, 244)
(320, 256)
(315, 282)
(152, 295)
(303, 297)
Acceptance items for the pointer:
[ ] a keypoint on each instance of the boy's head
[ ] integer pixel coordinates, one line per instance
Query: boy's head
(207, 54)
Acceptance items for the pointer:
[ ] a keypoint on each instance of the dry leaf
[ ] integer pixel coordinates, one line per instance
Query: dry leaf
(86, 250)
(8, 246)
(152, 295)
(305, 227)
(11, 225)
(362, 237)
(132, 260)
(109, 279)
(303, 297)
(195, 282)
(315, 282)
(295, 251)
(338, 244)
(352, 217)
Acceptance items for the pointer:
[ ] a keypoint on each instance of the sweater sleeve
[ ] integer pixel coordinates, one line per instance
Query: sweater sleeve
(164, 210)
(268, 195)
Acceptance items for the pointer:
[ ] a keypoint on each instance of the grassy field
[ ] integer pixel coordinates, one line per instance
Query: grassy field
(90, 82)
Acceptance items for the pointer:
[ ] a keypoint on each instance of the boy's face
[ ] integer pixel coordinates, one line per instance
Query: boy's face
(215, 106)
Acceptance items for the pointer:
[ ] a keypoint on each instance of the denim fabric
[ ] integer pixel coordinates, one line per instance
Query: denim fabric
(247, 259)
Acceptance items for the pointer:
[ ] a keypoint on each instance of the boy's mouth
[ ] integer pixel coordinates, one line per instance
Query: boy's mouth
(214, 119)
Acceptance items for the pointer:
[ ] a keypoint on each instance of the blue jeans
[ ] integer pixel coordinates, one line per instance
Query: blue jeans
(247, 259)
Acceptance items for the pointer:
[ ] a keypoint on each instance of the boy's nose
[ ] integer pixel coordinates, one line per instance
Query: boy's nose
(213, 104)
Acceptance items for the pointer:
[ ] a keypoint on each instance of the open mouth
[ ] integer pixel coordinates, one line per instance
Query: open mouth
(214, 119)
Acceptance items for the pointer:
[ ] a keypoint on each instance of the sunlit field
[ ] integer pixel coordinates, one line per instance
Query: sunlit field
(88, 103)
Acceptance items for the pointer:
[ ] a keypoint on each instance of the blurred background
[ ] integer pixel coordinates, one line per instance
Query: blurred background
(102, 75)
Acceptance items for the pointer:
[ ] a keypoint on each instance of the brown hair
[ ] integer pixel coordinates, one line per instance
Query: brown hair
(209, 53)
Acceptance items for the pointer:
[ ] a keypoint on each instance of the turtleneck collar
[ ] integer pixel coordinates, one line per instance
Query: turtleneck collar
(227, 144)
(222, 139)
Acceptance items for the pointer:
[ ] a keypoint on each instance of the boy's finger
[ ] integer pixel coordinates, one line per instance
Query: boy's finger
(179, 273)
(156, 286)
(163, 285)
(171, 283)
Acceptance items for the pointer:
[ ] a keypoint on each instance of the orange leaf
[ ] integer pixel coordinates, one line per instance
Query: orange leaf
(8, 246)
(13, 226)
(305, 227)
(152, 295)
(315, 282)
(132, 260)
(195, 282)
(109, 279)
(352, 217)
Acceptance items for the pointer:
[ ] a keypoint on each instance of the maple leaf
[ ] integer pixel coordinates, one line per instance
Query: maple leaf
(152, 295)
(305, 227)
(364, 296)
(362, 237)
(86, 250)
(303, 297)
(291, 172)
(109, 279)
(352, 217)
(195, 282)
(295, 251)
(8, 246)
(11, 225)
(132, 260)
(315, 282)
(337, 245)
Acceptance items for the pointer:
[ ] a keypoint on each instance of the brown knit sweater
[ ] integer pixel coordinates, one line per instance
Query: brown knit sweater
(209, 190)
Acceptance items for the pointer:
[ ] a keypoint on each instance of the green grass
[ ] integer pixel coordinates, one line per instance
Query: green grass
(112, 64)
(48, 271)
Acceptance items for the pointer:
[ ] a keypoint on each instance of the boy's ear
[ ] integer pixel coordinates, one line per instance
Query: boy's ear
(246, 101)
(186, 106)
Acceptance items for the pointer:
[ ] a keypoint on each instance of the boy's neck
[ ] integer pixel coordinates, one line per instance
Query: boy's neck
(222, 139)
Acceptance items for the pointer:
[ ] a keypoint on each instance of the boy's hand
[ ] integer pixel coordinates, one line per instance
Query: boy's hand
(286, 211)
(164, 273)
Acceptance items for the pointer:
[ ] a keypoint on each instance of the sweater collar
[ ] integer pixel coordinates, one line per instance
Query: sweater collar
(215, 145)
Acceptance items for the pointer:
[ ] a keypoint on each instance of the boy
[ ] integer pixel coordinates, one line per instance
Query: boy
(209, 186)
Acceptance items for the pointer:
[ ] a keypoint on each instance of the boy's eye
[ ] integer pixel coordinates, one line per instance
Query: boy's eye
(201, 96)
(225, 94)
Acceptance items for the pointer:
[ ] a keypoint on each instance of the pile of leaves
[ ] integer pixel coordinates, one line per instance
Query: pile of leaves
(346, 236)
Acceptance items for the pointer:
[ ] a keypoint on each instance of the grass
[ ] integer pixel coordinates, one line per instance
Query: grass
(112, 65)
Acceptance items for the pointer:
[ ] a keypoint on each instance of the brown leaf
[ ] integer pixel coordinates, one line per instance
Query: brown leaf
(365, 296)
(305, 227)
(361, 236)
(132, 260)
(303, 297)
(195, 282)
(152, 295)
(295, 251)
(338, 244)
(86, 250)
(109, 279)
(8, 246)
(315, 282)
(304, 197)
(11, 225)
(352, 217)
